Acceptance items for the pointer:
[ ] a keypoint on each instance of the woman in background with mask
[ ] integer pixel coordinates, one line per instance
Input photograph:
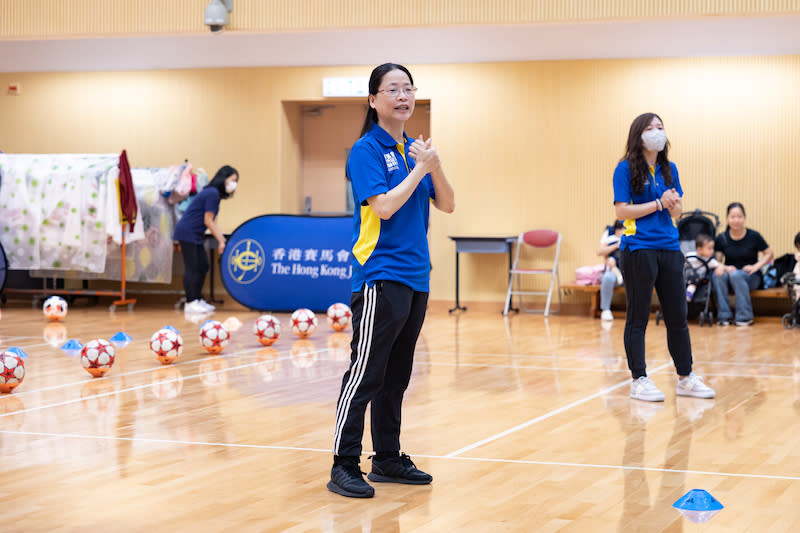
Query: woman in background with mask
(647, 197)
(190, 230)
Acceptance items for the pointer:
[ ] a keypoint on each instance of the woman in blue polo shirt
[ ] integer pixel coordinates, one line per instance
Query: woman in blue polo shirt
(395, 179)
(189, 231)
(647, 197)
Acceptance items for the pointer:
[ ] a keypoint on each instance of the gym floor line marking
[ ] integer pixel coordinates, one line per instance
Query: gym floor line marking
(596, 369)
(445, 457)
(600, 359)
(129, 389)
(244, 353)
(548, 415)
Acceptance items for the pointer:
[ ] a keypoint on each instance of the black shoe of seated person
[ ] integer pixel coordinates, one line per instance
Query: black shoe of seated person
(398, 469)
(347, 479)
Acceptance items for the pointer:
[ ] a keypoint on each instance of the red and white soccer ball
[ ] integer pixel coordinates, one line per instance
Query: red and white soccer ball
(55, 308)
(97, 357)
(166, 345)
(267, 329)
(339, 316)
(304, 322)
(12, 371)
(214, 337)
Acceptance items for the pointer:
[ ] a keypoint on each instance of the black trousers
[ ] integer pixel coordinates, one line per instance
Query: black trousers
(387, 319)
(195, 268)
(644, 270)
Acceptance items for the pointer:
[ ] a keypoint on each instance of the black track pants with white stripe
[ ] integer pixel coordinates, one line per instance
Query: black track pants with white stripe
(387, 319)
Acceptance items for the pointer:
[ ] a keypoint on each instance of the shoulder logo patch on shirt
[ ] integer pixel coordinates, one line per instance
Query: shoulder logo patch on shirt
(391, 161)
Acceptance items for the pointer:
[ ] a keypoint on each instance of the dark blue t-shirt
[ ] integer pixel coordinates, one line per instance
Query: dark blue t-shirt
(191, 227)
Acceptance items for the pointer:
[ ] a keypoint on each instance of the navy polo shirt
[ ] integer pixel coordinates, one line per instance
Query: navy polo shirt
(192, 226)
(394, 249)
(656, 231)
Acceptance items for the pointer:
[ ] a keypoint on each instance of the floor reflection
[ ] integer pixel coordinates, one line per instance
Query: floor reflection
(642, 510)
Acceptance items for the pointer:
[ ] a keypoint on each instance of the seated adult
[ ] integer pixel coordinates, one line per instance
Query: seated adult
(612, 276)
(737, 248)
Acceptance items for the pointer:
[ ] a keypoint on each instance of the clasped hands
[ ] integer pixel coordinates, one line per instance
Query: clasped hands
(424, 154)
(670, 199)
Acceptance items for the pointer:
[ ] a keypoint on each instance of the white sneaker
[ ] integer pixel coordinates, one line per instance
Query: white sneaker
(607, 315)
(692, 385)
(194, 306)
(206, 306)
(644, 389)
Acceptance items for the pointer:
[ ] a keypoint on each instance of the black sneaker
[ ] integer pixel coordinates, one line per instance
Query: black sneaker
(347, 479)
(398, 470)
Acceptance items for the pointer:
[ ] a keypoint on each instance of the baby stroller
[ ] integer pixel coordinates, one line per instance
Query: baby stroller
(792, 318)
(692, 224)
(697, 273)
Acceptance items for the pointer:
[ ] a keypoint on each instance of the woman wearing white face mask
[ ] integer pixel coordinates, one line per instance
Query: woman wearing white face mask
(190, 229)
(647, 197)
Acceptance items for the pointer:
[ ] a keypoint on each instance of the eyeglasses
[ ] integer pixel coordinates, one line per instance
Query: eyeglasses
(394, 92)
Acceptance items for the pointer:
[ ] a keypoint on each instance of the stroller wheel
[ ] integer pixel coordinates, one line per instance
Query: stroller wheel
(658, 317)
(704, 318)
(789, 321)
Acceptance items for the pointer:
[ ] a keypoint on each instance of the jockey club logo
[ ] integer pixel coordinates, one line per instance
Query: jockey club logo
(246, 261)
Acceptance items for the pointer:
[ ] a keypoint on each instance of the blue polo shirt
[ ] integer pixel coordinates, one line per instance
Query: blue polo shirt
(394, 249)
(656, 231)
(192, 226)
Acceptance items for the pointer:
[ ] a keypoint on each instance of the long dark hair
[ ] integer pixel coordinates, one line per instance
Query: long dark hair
(633, 153)
(375, 80)
(219, 180)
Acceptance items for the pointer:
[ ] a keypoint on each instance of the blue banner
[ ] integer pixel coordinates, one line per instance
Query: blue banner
(284, 262)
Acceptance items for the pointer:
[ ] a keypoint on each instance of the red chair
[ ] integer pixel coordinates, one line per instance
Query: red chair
(539, 239)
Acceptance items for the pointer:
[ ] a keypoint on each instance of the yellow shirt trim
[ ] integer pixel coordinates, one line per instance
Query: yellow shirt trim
(630, 224)
(368, 235)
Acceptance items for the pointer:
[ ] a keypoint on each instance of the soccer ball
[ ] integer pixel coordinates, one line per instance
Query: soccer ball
(55, 308)
(267, 328)
(304, 322)
(166, 345)
(339, 316)
(214, 337)
(97, 356)
(12, 371)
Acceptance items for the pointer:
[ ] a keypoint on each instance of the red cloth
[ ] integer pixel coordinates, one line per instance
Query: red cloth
(126, 194)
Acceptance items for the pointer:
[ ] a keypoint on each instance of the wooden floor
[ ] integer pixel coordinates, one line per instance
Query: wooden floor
(524, 423)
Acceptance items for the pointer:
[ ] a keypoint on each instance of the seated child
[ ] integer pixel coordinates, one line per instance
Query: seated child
(609, 247)
(612, 276)
(700, 263)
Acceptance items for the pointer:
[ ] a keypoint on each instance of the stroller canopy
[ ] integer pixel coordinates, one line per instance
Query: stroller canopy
(692, 224)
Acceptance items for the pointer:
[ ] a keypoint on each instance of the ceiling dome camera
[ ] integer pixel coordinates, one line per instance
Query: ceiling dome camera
(216, 15)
